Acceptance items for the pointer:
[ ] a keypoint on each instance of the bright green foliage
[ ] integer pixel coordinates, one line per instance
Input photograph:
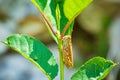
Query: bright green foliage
(36, 52)
(95, 69)
(61, 13)
(58, 14)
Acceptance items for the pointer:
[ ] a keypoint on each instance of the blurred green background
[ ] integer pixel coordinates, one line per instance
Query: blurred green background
(96, 33)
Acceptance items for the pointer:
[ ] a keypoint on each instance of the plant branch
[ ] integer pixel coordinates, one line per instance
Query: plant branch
(50, 26)
(61, 58)
(65, 28)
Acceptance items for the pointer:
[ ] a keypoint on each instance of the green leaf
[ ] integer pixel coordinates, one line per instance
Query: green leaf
(95, 69)
(61, 13)
(70, 9)
(36, 52)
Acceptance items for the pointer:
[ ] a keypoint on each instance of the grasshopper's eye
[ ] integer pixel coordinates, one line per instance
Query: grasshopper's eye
(67, 51)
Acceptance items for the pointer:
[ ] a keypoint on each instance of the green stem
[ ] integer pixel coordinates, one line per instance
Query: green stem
(60, 44)
(61, 59)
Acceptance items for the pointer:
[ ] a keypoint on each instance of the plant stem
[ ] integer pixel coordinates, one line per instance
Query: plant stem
(50, 26)
(61, 59)
(65, 28)
(60, 44)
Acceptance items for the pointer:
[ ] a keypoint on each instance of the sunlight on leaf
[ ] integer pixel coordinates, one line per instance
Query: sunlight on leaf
(36, 52)
(95, 69)
(61, 13)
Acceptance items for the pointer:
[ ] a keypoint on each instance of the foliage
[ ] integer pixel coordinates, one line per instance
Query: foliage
(59, 16)
(35, 51)
(94, 69)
